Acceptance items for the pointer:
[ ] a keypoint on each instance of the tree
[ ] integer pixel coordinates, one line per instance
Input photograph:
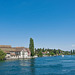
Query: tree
(40, 53)
(71, 52)
(66, 53)
(57, 52)
(54, 51)
(43, 50)
(31, 46)
(2, 55)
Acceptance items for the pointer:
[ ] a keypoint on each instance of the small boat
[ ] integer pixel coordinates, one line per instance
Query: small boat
(62, 55)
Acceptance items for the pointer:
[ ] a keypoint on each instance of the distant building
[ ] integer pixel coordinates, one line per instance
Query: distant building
(15, 52)
(46, 52)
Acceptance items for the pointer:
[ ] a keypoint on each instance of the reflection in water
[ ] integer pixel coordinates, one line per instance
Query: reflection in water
(28, 65)
(25, 62)
(32, 67)
(1, 63)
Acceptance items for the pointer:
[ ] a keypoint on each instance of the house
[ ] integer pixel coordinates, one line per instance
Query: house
(46, 52)
(15, 52)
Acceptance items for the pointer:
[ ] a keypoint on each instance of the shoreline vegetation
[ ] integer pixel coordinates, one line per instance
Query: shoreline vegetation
(41, 52)
(52, 52)
(2, 55)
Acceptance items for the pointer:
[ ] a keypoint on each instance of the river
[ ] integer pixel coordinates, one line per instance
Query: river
(56, 65)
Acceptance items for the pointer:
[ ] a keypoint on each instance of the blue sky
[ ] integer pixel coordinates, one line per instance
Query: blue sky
(51, 23)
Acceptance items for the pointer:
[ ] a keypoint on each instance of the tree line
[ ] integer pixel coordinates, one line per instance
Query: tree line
(41, 51)
(73, 52)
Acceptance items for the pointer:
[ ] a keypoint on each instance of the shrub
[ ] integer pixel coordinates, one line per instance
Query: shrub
(2, 55)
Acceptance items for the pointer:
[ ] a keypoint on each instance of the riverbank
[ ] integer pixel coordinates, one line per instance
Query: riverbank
(21, 58)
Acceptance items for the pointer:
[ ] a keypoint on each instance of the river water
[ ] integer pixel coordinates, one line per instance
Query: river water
(57, 65)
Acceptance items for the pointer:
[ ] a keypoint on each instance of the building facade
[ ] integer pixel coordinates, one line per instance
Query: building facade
(15, 52)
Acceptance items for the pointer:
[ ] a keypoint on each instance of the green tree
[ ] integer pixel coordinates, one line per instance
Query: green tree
(31, 46)
(43, 50)
(57, 52)
(66, 53)
(2, 55)
(40, 53)
(71, 52)
(52, 53)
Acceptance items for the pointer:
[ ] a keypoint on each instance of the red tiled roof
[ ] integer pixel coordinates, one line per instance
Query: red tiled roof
(5, 46)
(18, 48)
(8, 48)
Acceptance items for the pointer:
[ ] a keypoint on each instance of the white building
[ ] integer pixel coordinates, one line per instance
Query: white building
(15, 52)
